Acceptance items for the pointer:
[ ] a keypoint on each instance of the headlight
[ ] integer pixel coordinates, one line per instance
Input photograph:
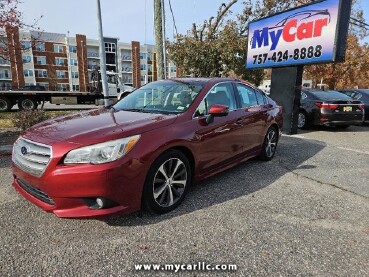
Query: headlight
(101, 153)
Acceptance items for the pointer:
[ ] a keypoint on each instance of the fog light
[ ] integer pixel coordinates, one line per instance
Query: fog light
(100, 202)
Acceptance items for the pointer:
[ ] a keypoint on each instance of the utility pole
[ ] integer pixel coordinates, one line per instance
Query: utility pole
(164, 42)
(104, 79)
(159, 42)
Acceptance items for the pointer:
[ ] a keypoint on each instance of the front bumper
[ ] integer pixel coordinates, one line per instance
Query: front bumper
(63, 190)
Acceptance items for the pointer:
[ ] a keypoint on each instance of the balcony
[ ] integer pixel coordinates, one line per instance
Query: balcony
(5, 76)
(4, 87)
(127, 69)
(94, 55)
(4, 62)
(126, 58)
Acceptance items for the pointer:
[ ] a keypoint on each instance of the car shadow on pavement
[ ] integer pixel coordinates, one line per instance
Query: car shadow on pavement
(361, 128)
(242, 180)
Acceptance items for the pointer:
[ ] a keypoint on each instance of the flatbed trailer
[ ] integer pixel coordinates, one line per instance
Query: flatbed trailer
(30, 100)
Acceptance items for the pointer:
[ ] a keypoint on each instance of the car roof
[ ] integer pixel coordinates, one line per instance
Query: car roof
(211, 80)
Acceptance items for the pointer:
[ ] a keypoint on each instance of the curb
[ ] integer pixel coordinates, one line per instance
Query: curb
(6, 149)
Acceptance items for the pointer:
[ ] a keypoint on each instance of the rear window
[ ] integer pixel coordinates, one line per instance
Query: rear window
(329, 94)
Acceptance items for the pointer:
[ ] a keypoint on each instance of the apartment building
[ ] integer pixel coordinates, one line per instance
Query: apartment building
(59, 62)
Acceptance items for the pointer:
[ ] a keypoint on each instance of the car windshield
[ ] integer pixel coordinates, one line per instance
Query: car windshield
(169, 96)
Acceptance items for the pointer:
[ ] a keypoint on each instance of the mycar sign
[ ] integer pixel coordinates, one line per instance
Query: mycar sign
(314, 33)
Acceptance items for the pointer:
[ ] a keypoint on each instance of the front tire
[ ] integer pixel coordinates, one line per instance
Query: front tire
(270, 144)
(167, 182)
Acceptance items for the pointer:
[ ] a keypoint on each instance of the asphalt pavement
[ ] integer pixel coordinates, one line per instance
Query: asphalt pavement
(305, 213)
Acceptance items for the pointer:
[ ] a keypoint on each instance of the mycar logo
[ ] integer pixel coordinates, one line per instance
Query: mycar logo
(298, 26)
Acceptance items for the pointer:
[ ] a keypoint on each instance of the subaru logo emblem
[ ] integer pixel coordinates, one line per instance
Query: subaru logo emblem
(25, 150)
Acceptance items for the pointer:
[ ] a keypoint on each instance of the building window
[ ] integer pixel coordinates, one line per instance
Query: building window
(75, 74)
(173, 69)
(143, 66)
(72, 49)
(60, 74)
(109, 47)
(26, 59)
(149, 67)
(149, 57)
(149, 79)
(58, 48)
(143, 56)
(45, 85)
(40, 59)
(41, 73)
(5, 74)
(75, 87)
(73, 62)
(40, 46)
(28, 73)
(61, 87)
(60, 61)
(25, 44)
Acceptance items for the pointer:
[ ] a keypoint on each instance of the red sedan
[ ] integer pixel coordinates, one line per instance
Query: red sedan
(145, 150)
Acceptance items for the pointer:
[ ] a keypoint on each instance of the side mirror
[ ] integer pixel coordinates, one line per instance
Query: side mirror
(217, 111)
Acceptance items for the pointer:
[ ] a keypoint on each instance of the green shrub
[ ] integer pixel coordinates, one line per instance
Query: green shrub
(25, 119)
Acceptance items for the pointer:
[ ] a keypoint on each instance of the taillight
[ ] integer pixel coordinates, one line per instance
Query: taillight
(326, 106)
(361, 106)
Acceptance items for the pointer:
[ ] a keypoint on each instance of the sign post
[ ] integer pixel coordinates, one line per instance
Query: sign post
(309, 34)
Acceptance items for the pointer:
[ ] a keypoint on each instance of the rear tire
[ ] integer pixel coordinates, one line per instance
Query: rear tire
(302, 122)
(27, 104)
(270, 144)
(167, 182)
(5, 104)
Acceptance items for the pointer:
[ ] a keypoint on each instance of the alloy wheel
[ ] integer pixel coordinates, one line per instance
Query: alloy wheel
(170, 182)
(301, 120)
(271, 143)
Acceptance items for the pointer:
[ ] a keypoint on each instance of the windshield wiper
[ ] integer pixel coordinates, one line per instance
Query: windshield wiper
(136, 110)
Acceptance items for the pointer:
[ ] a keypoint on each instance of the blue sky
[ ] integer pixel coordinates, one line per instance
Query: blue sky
(124, 19)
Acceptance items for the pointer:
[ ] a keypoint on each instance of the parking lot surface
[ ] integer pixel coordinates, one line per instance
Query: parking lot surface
(305, 213)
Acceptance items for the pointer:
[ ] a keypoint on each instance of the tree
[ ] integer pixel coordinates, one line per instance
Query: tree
(10, 22)
(213, 49)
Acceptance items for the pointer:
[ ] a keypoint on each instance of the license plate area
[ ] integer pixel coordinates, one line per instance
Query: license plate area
(347, 109)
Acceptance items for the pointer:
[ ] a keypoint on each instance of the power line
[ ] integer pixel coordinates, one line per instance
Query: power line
(174, 21)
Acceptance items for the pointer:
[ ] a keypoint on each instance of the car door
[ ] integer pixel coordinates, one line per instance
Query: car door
(220, 141)
(253, 118)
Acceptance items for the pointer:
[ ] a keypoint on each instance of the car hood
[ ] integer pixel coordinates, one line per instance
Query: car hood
(96, 126)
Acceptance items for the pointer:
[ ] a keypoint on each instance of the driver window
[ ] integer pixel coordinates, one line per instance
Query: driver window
(247, 96)
(221, 94)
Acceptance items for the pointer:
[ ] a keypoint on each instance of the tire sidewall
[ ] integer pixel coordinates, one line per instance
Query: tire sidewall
(305, 123)
(21, 107)
(263, 155)
(148, 201)
(8, 105)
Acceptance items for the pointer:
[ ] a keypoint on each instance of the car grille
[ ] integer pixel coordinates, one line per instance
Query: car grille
(31, 157)
(39, 194)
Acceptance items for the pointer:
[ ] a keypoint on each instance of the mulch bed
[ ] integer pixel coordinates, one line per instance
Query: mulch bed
(8, 136)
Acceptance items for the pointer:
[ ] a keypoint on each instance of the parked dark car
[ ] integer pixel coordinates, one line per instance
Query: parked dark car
(34, 88)
(359, 94)
(329, 108)
(145, 150)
